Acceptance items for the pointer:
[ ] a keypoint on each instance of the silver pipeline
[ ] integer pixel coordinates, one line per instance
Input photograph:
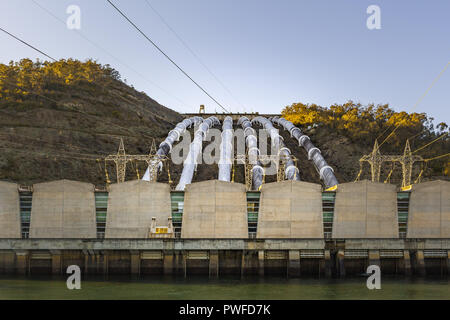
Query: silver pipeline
(252, 152)
(226, 150)
(166, 146)
(291, 171)
(195, 149)
(326, 172)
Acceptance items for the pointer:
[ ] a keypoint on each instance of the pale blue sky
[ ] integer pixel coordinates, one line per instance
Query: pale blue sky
(268, 53)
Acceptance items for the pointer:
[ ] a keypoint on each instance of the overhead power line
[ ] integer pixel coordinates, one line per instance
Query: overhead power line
(42, 96)
(438, 157)
(111, 55)
(79, 111)
(165, 55)
(34, 48)
(194, 54)
(423, 147)
(417, 102)
(27, 44)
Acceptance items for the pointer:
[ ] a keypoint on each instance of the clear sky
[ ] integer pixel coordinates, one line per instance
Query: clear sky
(269, 54)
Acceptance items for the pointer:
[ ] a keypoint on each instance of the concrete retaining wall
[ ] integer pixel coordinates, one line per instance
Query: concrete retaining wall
(215, 209)
(63, 209)
(365, 209)
(9, 210)
(429, 210)
(131, 206)
(290, 209)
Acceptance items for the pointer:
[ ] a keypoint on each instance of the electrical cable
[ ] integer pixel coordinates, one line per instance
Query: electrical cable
(165, 55)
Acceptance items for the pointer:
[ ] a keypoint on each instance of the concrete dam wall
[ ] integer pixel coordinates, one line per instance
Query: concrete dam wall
(132, 205)
(289, 227)
(429, 215)
(365, 209)
(9, 210)
(213, 210)
(63, 209)
(290, 209)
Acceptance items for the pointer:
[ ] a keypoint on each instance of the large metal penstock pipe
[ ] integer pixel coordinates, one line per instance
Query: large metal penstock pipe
(253, 152)
(291, 172)
(166, 146)
(194, 151)
(226, 150)
(326, 173)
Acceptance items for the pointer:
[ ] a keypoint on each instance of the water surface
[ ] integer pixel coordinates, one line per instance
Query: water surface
(203, 288)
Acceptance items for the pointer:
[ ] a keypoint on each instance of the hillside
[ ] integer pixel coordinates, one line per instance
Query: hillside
(57, 119)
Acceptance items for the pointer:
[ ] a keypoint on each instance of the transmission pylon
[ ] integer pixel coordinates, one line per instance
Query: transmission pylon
(407, 160)
(121, 159)
(375, 159)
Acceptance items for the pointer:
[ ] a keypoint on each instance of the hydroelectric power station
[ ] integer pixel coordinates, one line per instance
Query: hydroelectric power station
(217, 227)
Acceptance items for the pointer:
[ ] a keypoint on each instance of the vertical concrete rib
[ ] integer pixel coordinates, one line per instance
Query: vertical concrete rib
(131, 207)
(9, 210)
(63, 209)
(365, 209)
(429, 210)
(215, 210)
(290, 210)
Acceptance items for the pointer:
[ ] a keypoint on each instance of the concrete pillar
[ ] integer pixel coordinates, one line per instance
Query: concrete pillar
(243, 264)
(448, 262)
(294, 264)
(90, 262)
(22, 262)
(168, 263)
(420, 263)
(327, 256)
(97, 263)
(407, 263)
(56, 262)
(7, 260)
(261, 263)
(86, 262)
(94, 261)
(340, 263)
(135, 257)
(213, 264)
(179, 265)
(105, 263)
(185, 264)
(374, 258)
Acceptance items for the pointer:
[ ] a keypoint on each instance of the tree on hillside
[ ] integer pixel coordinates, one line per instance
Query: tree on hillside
(19, 80)
(364, 124)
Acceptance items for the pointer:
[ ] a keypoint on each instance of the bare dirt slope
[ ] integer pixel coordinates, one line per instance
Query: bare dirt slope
(61, 136)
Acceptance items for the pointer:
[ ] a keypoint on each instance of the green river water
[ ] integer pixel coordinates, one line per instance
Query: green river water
(201, 288)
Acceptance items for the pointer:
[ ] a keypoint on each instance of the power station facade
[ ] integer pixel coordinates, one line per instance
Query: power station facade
(219, 226)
